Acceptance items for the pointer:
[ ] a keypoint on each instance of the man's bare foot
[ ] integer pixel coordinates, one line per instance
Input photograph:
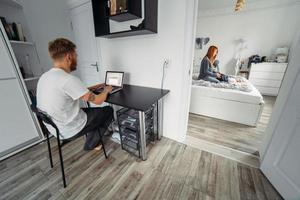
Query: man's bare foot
(98, 148)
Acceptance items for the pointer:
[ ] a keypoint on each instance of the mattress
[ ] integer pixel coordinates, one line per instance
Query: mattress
(253, 97)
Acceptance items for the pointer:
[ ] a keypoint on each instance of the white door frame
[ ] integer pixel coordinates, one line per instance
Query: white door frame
(190, 28)
(286, 86)
(189, 42)
(281, 157)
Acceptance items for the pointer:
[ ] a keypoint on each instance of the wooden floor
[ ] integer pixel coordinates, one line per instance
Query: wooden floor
(232, 135)
(172, 171)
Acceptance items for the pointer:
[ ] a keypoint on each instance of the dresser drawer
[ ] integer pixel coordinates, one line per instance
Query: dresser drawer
(266, 75)
(265, 82)
(269, 67)
(272, 91)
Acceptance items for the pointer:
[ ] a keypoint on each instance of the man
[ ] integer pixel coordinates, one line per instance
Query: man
(59, 92)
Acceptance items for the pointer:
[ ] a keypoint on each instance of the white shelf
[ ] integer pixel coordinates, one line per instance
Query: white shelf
(14, 3)
(31, 78)
(21, 42)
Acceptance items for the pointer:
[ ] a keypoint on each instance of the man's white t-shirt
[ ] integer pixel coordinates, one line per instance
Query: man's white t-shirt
(58, 94)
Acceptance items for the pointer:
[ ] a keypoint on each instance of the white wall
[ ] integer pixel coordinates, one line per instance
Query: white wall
(142, 58)
(47, 20)
(264, 29)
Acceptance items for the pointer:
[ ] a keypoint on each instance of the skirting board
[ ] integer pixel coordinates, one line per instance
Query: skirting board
(233, 111)
(20, 148)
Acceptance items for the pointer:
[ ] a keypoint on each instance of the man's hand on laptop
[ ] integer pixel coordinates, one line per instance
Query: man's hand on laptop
(94, 87)
(108, 89)
(97, 98)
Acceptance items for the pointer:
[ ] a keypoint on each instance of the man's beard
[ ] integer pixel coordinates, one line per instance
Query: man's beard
(73, 65)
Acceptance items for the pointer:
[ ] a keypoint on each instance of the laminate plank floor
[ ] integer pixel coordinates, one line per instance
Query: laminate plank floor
(172, 171)
(232, 135)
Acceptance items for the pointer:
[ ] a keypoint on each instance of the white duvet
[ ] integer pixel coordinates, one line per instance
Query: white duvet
(234, 82)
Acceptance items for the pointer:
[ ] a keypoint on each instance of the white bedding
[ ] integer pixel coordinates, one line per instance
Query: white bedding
(234, 83)
(253, 97)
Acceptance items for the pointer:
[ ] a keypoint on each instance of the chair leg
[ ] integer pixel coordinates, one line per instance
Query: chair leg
(61, 163)
(102, 143)
(49, 150)
(88, 104)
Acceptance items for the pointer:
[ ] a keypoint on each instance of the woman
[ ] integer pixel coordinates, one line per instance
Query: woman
(209, 66)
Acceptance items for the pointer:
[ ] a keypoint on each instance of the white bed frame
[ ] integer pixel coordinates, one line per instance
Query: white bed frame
(229, 110)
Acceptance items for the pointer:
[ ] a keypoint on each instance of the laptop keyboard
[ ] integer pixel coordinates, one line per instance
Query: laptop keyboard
(99, 90)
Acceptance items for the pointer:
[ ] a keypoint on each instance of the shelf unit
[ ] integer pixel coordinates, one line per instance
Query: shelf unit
(134, 11)
(102, 17)
(122, 17)
(21, 91)
(128, 33)
(31, 78)
(21, 42)
(25, 51)
(13, 3)
(129, 129)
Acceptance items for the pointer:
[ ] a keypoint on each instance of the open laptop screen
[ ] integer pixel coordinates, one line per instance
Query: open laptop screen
(114, 79)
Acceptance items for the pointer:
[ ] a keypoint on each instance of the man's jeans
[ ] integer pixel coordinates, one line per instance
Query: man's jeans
(98, 119)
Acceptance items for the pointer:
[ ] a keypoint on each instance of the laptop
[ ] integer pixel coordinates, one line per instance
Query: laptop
(114, 79)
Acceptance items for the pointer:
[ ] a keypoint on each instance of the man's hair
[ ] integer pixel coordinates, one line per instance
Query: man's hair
(59, 47)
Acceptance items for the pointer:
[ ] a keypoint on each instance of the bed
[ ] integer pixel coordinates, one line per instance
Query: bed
(227, 104)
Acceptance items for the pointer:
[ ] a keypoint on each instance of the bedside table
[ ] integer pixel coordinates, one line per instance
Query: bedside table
(244, 73)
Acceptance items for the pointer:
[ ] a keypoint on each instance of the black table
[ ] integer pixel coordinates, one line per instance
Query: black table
(141, 99)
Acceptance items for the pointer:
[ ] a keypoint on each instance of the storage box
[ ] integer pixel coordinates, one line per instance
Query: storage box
(129, 129)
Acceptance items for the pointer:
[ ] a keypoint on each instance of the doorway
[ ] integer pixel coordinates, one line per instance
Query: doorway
(212, 126)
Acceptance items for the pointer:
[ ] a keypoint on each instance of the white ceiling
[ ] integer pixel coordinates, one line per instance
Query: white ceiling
(218, 4)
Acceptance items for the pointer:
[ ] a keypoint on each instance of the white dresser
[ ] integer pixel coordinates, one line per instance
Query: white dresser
(267, 77)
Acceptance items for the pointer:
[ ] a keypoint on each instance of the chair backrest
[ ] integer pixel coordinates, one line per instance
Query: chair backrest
(44, 117)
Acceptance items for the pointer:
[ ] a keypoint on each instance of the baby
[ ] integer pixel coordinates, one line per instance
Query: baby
(216, 69)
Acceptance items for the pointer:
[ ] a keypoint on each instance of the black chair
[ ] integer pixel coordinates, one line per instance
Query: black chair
(44, 117)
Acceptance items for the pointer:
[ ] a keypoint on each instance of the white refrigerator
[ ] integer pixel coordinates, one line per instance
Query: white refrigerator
(19, 128)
